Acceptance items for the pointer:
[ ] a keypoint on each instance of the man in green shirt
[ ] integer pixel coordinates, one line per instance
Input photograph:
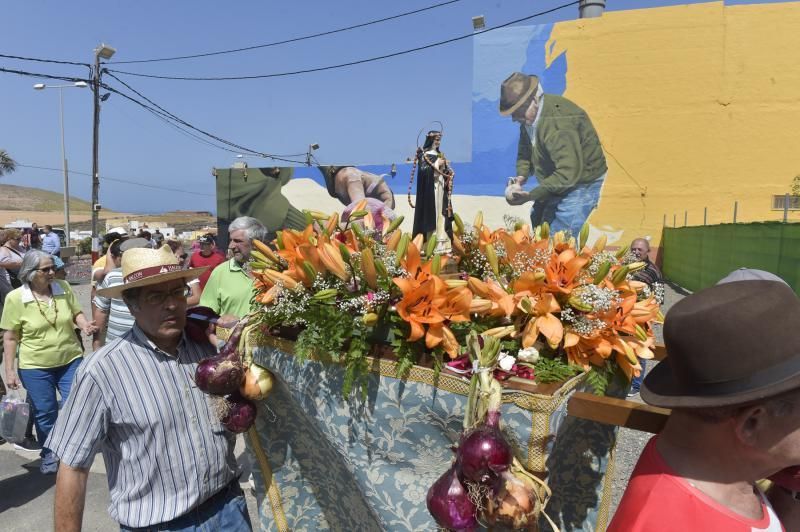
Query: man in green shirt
(230, 287)
(560, 147)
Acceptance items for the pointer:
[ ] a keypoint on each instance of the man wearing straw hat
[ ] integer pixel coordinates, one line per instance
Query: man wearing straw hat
(560, 147)
(170, 462)
(732, 380)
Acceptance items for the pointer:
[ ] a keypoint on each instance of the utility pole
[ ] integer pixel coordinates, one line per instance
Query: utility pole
(105, 52)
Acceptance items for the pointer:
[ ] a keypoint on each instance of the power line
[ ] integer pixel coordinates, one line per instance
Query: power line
(287, 41)
(45, 76)
(164, 115)
(40, 60)
(118, 180)
(157, 109)
(350, 63)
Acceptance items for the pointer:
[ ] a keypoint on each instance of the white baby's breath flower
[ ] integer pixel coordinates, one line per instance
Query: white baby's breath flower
(506, 361)
(529, 355)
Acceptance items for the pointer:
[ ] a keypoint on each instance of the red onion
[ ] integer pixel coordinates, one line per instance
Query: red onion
(484, 451)
(241, 414)
(450, 504)
(223, 373)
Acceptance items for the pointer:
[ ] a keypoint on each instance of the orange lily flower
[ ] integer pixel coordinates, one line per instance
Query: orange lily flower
(563, 270)
(544, 321)
(502, 301)
(583, 351)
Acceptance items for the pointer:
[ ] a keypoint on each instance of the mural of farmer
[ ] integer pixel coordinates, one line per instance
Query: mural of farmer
(559, 146)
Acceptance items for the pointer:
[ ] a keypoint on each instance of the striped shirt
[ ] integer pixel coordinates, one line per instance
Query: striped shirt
(120, 319)
(165, 451)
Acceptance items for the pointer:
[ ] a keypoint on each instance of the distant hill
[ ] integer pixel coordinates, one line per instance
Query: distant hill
(17, 198)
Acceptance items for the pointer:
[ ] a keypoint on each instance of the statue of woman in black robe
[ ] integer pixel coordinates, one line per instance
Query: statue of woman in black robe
(433, 212)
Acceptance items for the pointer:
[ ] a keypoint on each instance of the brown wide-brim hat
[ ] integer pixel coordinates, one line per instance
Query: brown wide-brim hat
(515, 91)
(145, 267)
(727, 345)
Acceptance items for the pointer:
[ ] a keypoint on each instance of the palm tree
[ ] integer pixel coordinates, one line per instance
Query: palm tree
(7, 164)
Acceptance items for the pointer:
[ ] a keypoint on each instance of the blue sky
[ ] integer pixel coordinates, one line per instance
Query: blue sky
(367, 114)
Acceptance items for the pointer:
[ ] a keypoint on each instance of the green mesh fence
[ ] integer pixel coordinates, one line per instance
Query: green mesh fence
(698, 257)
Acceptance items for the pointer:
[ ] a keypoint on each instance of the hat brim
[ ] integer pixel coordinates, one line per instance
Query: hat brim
(522, 99)
(659, 388)
(115, 292)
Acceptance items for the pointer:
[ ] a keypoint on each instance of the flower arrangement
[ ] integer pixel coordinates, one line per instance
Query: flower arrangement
(557, 306)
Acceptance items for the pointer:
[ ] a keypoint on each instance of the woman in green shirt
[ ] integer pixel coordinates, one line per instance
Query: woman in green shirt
(39, 318)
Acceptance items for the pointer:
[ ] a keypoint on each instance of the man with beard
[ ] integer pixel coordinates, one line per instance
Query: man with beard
(230, 286)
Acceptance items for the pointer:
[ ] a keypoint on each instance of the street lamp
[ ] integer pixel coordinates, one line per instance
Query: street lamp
(78, 85)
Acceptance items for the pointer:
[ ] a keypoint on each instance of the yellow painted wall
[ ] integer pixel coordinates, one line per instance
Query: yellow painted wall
(700, 104)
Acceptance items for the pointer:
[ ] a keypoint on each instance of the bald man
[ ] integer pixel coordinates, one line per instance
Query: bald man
(650, 275)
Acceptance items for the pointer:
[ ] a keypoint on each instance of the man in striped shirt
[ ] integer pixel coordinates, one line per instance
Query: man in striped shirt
(111, 315)
(169, 460)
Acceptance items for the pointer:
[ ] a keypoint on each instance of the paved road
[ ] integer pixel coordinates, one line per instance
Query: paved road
(26, 496)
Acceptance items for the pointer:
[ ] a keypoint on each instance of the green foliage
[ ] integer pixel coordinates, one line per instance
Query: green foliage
(356, 366)
(84, 246)
(407, 353)
(600, 377)
(554, 370)
(7, 164)
(796, 186)
(326, 334)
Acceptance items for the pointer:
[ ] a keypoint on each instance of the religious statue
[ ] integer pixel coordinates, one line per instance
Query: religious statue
(433, 213)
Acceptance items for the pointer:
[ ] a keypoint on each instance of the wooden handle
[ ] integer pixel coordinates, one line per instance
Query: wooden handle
(618, 412)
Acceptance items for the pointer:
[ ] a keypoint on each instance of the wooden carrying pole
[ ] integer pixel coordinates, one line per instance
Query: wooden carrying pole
(613, 411)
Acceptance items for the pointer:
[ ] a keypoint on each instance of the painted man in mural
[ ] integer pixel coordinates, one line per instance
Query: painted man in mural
(559, 146)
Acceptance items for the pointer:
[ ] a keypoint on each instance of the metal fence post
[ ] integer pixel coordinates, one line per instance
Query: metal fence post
(705, 215)
(785, 208)
(674, 220)
(685, 218)
(735, 210)
(664, 222)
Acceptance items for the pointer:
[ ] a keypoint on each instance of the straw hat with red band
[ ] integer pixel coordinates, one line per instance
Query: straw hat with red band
(145, 267)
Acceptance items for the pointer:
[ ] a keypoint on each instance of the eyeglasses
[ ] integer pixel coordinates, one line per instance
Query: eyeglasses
(158, 298)
(47, 269)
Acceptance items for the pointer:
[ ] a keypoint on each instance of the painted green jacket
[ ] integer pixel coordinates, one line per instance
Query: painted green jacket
(567, 150)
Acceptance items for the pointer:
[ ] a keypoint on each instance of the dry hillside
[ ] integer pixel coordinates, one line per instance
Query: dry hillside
(17, 198)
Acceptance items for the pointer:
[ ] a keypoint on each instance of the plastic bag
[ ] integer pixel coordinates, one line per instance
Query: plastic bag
(14, 414)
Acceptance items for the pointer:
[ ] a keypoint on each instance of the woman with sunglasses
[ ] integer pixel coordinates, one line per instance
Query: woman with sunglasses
(39, 317)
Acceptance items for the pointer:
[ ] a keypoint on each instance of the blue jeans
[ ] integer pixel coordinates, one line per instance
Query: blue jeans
(227, 510)
(636, 382)
(41, 385)
(568, 212)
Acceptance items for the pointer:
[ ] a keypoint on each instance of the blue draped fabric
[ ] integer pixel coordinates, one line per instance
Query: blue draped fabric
(347, 464)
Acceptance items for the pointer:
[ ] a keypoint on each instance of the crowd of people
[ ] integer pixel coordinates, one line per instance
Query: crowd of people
(79, 404)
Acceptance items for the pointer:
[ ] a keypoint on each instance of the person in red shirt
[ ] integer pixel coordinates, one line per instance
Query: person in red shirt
(732, 380)
(208, 255)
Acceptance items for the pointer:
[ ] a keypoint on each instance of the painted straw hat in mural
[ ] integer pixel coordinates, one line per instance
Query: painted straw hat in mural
(145, 267)
(515, 90)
